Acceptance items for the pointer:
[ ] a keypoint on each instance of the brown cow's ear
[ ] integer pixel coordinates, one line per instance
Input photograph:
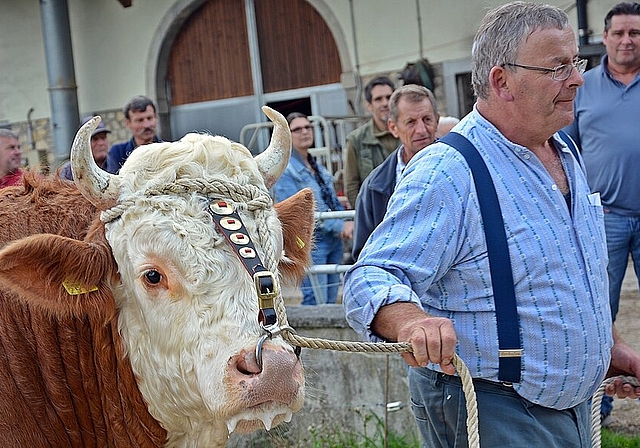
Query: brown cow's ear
(63, 276)
(297, 217)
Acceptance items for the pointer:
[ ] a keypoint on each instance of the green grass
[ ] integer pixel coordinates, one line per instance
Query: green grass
(339, 438)
(372, 436)
(613, 440)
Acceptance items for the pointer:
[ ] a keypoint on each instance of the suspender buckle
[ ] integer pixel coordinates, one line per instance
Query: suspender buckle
(510, 353)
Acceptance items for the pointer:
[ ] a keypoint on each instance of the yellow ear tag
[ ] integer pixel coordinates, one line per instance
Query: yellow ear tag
(75, 289)
(300, 242)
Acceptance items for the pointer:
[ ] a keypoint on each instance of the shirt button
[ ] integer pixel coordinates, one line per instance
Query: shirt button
(554, 187)
(527, 156)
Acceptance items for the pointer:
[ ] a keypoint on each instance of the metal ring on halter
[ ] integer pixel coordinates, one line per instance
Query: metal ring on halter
(268, 334)
(263, 338)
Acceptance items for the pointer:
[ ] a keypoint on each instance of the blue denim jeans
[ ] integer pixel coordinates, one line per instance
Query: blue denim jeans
(327, 250)
(504, 418)
(623, 238)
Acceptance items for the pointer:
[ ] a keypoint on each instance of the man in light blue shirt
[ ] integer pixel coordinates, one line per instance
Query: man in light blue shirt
(423, 276)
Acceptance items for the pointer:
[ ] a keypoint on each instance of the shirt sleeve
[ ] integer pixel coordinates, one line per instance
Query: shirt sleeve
(415, 245)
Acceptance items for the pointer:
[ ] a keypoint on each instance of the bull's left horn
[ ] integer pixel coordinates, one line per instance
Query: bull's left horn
(96, 185)
(275, 158)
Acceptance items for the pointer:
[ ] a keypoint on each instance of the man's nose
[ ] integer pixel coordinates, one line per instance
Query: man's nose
(421, 127)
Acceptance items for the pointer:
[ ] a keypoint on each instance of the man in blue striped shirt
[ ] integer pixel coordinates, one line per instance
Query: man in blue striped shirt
(423, 276)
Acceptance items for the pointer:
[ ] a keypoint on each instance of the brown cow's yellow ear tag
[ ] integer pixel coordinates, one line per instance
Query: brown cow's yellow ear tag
(300, 243)
(75, 289)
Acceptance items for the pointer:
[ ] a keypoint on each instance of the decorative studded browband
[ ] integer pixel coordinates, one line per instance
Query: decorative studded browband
(230, 225)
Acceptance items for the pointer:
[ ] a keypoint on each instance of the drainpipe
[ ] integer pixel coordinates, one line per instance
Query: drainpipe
(357, 106)
(583, 23)
(63, 97)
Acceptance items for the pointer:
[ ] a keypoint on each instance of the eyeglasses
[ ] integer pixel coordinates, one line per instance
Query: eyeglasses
(302, 128)
(559, 73)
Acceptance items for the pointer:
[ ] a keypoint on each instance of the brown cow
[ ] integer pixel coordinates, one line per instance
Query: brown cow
(143, 346)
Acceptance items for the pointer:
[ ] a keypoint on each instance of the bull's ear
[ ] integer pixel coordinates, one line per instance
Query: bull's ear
(63, 276)
(296, 214)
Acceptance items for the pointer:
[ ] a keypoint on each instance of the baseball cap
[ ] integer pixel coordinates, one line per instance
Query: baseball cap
(101, 127)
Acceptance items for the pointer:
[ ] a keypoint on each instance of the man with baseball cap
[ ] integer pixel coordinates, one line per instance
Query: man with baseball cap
(99, 148)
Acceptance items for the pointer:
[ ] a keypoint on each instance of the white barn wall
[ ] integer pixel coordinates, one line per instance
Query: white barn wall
(111, 44)
(23, 75)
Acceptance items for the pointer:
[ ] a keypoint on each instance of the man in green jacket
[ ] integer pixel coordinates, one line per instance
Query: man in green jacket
(370, 144)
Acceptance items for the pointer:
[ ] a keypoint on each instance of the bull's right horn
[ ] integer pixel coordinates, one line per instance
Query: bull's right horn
(275, 158)
(96, 185)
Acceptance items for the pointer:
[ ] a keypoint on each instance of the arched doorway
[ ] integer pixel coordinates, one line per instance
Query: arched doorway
(220, 60)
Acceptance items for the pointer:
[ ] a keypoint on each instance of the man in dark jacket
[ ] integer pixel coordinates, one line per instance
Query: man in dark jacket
(413, 118)
(141, 118)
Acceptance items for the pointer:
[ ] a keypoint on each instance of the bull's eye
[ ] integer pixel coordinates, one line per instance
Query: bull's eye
(153, 277)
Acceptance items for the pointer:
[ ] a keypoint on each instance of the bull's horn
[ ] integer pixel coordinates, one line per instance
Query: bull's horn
(275, 158)
(96, 185)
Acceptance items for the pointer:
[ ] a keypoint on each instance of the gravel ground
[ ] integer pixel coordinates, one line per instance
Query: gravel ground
(626, 413)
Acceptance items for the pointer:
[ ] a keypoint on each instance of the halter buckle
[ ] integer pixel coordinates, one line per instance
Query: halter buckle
(266, 287)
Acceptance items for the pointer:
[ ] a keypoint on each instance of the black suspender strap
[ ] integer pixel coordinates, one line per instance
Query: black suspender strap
(510, 348)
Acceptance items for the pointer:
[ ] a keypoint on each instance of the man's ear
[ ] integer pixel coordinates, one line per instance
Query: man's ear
(500, 83)
(393, 128)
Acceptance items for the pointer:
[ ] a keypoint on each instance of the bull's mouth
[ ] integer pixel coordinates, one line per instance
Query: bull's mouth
(267, 416)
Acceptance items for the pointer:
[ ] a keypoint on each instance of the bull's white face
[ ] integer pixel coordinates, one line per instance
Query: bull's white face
(188, 308)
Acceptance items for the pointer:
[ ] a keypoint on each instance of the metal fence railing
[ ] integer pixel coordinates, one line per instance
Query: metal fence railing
(318, 269)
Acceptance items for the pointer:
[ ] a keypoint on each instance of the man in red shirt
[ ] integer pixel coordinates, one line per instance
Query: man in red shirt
(10, 159)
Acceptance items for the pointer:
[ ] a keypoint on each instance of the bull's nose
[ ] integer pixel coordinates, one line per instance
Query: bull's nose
(276, 359)
(246, 363)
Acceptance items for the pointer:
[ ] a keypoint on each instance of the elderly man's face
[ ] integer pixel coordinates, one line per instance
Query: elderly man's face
(416, 125)
(10, 155)
(542, 102)
(100, 147)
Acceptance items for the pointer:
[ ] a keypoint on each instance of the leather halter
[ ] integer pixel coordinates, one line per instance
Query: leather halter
(230, 225)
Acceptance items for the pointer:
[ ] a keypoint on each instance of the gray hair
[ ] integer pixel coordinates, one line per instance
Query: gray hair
(8, 133)
(413, 93)
(502, 32)
(138, 103)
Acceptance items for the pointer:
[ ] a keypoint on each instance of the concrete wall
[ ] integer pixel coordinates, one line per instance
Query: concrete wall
(343, 389)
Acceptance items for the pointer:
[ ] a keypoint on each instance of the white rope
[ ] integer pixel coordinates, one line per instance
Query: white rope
(596, 401)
